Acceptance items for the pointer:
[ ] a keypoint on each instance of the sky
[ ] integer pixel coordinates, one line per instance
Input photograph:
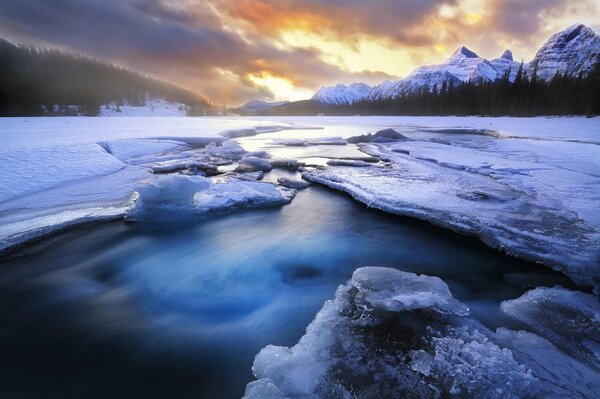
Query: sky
(232, 51)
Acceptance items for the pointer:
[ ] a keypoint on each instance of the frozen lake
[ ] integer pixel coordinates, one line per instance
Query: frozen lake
(148, 309)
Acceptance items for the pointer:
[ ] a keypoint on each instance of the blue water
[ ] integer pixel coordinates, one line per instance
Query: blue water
(126, 310)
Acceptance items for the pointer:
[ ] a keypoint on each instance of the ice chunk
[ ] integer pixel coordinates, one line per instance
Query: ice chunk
(335, 140)
(290, 142)
(262, 389)
(256, 163)
(396, 291)
(349, 162)
(382, 136)
(568, 319)
(177, 197)
(391, 334)
(294, 184)
(294, 142)
(287, 163)
(228, 150)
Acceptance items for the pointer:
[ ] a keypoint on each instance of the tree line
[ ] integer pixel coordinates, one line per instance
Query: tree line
(36, 81)
(526, 95)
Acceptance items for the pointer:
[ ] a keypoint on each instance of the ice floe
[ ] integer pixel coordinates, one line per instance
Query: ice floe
(292, 183)
(506, 193)
(177, 197)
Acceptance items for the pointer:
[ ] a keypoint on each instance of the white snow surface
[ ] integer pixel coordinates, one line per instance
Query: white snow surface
(360, 346)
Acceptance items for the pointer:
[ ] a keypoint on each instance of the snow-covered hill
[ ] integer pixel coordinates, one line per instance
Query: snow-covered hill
(153, 107)
(573, 51)
(342, 94)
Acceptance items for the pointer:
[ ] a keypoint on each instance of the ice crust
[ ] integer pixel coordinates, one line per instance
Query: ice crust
(568, 319)
(532, 198)
(393, 334)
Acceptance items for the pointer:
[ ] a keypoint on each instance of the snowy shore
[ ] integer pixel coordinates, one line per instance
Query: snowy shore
(527, 186)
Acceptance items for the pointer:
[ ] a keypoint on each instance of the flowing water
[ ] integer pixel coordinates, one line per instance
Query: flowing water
(125, 310)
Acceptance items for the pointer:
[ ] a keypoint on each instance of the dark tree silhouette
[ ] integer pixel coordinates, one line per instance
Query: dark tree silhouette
(37, 81)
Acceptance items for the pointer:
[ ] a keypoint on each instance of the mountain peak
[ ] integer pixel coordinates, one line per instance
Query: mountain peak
(464, 52)
(507, 55)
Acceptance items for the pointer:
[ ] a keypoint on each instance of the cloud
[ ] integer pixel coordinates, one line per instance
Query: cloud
(222, 48)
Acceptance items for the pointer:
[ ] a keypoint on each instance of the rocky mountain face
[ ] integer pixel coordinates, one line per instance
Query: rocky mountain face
(573, 51)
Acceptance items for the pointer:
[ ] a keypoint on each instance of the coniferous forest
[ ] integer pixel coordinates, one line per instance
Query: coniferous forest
(525, 96)
(37, 81)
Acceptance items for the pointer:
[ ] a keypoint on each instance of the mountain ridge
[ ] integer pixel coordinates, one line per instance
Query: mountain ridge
(572, 51)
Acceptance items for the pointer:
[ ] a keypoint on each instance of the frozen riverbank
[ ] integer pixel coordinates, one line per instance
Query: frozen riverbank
(527, 186)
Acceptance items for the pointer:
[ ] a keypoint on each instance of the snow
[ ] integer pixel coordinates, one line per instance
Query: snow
(24, 171)
(153, 107)
(173, 198)
(568, 319)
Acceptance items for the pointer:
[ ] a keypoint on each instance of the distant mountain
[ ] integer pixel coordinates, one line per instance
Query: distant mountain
(572, 52)
(50, 82)
(341, 94)
(257, 105)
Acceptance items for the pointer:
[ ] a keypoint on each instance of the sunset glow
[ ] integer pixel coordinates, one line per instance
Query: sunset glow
(287, 49)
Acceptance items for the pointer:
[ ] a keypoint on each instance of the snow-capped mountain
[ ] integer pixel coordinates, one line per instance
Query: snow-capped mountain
(572, 51)
(257, 105)
(464, 65)
(342, 94)
(506, 63)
